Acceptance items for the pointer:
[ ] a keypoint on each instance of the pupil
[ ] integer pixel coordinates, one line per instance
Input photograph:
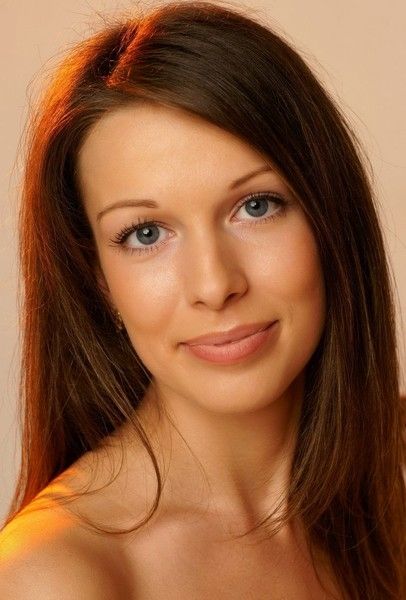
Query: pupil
(147, 232)
(255, 206)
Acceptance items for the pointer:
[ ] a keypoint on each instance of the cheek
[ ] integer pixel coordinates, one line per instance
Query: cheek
(290, 268)
(283, 272)
(145, 296)
(299, 287)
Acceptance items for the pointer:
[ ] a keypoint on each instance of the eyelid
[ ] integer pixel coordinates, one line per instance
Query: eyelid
(124, 233)
(254, 195)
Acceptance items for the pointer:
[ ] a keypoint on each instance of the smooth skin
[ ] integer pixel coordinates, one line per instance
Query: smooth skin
(213, 265)
(207, 260)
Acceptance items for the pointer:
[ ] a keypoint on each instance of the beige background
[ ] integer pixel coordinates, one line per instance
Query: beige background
(357, 48)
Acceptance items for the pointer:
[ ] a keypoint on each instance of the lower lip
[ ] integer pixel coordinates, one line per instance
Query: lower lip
(233, 351)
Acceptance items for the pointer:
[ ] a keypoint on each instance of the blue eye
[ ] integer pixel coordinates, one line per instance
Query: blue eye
(147, 232)
(259, 203)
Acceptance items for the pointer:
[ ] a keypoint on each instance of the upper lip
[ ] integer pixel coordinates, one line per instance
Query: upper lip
(222, 337)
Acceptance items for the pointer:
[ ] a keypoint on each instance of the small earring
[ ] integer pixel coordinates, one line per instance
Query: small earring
(118, 320)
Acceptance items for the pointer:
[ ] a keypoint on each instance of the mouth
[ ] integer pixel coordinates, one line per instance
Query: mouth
(235, 334)
(235, 351)
(231, 342)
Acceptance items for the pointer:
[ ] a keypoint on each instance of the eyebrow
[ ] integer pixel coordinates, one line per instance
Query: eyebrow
(148, 203)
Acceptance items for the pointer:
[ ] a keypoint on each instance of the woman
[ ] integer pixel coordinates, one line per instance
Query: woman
(241, 365)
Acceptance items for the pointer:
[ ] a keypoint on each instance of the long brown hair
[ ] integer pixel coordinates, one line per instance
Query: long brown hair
(81, 379)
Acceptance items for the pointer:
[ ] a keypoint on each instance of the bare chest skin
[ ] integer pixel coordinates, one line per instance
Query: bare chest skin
(188, 555)
(186, 558)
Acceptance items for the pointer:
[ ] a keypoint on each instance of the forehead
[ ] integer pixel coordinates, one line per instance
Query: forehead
(153, 149)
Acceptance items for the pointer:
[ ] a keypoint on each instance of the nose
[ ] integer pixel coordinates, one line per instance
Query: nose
(213, 273)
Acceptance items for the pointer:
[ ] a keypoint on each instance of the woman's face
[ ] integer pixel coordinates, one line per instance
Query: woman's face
(212, 260)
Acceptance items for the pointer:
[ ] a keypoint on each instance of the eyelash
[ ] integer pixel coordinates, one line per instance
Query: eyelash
(122, 235)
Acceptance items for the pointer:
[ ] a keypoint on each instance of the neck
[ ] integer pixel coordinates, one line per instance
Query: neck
(234, 463)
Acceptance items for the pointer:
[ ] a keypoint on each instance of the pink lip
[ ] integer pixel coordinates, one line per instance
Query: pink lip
(223, 337)
(232, 352)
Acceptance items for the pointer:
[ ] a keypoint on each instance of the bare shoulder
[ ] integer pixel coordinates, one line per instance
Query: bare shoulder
(47, 553)
(44, 554)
